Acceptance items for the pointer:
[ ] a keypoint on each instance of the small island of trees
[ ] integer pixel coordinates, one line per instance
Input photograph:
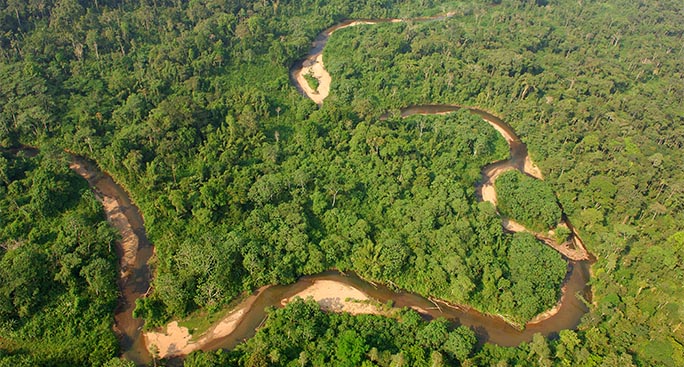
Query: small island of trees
(526, 200)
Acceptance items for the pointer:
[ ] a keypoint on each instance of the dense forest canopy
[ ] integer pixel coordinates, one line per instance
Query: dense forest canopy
(57, 266)
(243, 182)
(526, 200)
(597, 100)
(301, 334)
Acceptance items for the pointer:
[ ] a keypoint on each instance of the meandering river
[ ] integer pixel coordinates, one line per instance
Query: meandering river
(135, 250)
(135, 279)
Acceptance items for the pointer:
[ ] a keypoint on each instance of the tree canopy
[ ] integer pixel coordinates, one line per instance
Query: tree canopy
(243, 182)
(57, 266)
(527, 200)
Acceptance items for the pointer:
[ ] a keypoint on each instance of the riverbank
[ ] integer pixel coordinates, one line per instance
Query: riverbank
(129, 243)
(133, 249)
(520, 160)
(313, 65)
(335, 296)
(332, 296)
(176, 340)
(242, 322)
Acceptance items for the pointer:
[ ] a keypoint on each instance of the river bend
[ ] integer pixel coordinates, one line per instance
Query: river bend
(135, 250)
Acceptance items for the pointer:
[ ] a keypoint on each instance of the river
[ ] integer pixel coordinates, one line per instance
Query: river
(135, 274)
(491, 329)
(134, 252)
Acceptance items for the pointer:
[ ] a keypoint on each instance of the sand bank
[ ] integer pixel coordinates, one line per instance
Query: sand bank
(333, 296)
(337, 297)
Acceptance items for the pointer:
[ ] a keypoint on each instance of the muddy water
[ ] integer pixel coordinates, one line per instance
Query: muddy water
(134, 281)
(134, 276)
(489, 329)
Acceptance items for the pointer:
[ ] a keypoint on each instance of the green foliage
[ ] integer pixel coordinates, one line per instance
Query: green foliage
(211, 359)
(301, 334)
(599, 115)
(562, 234)
(526, 200)
(189, 106)
(459, 343)
(350, 350)
(313, 81)
(57, 266)
(535, 270)
(118, 362)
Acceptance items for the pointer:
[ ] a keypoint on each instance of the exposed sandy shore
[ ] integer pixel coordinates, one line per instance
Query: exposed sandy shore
(337, 297)
(333, 296)
(115, 216)
(487, 190)
(531, 169)
(176, 340)
(573, 249)
(550, 312)
(315, 68)
(504, 133)
(513, 226)
(313, 65)
(129, 241)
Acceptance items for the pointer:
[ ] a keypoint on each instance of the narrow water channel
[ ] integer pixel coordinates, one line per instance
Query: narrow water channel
(490, 329)
(135, 280)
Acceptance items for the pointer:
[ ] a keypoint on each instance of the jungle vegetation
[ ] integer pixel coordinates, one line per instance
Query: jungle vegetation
(526, 200)
(58, 272)
(243, 182)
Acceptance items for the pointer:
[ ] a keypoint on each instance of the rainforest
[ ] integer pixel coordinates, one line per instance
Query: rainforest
(337, 183)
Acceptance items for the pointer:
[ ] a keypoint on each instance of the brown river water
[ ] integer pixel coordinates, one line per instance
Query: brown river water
(489, 329)
(135, 280)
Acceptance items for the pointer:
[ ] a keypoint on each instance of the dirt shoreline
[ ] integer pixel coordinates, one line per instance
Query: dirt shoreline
(313, 65)
(332, 296)
(176, 340)
(133, 249)
(129, 242)
(519, 160)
